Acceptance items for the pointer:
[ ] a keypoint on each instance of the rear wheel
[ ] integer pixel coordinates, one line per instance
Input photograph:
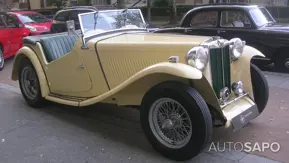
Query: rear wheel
(29, 84)
(176, 120)
(260, 88)
(1, 59)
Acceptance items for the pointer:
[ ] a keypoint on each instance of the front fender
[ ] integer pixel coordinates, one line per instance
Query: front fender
(240, 69)
(139, 86)
(26, 52)
(176, 69)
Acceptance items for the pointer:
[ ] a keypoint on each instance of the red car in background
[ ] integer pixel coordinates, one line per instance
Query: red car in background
(11, 34)
(37, 23)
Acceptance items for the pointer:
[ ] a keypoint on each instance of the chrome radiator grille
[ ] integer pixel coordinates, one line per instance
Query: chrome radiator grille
(220, 68)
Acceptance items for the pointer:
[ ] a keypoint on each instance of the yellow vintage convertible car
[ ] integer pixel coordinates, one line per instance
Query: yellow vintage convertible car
(183, 85)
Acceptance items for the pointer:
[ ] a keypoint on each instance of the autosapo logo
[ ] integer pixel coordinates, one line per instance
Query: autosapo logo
(245, 146)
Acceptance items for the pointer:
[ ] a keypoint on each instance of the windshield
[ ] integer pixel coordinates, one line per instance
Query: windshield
(107, 20)
(32, 18)
(261, 16)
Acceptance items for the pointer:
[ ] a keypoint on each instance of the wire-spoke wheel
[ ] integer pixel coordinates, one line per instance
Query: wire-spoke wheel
(176, 120)
(29, 84)
(170, 123)
(1, 59)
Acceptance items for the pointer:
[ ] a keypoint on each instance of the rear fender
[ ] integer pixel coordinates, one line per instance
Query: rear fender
(28, 53)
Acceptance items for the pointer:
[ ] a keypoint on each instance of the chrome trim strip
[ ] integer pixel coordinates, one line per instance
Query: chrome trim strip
(234, 100)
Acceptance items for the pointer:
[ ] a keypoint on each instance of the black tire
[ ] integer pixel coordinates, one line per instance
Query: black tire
(260, 88)
(281, 63)
(2, 61)
(37, 101)
(197, 110)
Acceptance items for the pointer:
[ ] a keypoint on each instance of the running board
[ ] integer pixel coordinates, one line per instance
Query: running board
(67, 100)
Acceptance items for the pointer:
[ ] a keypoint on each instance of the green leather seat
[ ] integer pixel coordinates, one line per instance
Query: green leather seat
(57, 46)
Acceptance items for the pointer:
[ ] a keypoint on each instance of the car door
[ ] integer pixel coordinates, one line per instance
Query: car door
(15, 33)
(236, 23)
(5, 38)
(203, 23)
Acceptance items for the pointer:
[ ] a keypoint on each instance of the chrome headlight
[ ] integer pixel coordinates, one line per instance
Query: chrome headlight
(236, 48)
(198, 57)
(237, 88)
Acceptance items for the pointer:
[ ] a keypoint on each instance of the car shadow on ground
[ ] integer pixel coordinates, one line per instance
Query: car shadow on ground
(89, 118)
(117, 124)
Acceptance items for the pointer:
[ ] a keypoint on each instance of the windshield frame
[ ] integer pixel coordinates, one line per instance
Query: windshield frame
(254, 19)
(85, 37)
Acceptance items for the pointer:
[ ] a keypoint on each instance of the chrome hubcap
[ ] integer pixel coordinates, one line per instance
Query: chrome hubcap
(29, 82)
(170, 123)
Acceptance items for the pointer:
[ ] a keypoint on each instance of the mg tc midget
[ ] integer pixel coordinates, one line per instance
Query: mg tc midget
(182, 84)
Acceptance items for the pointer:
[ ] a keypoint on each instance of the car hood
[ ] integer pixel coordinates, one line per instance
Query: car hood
(277, 27)
(127, 54)
(159, 39)
(41, 26)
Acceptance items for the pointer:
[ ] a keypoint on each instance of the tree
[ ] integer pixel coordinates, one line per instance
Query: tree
(121, 4)
(57, 3)
(84, 2)
(149, 10)
(28, 5)
(173, 11)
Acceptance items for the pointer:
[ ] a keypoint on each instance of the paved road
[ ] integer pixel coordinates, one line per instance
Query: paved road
(100, 134)
(103, 133)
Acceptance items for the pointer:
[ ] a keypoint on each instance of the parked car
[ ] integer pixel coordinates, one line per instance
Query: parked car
(70, 13)
(182, 84)
(11, 35)
(252, 23)
(37, 23)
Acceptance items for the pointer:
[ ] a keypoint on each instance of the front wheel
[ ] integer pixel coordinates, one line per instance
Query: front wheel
(260, 88)
(1, 60)
(176, 120)
(29, 84)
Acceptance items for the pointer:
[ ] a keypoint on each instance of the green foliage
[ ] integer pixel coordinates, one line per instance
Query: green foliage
(160, 3)
(121, 4)
(57, 3)
(83, 2)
